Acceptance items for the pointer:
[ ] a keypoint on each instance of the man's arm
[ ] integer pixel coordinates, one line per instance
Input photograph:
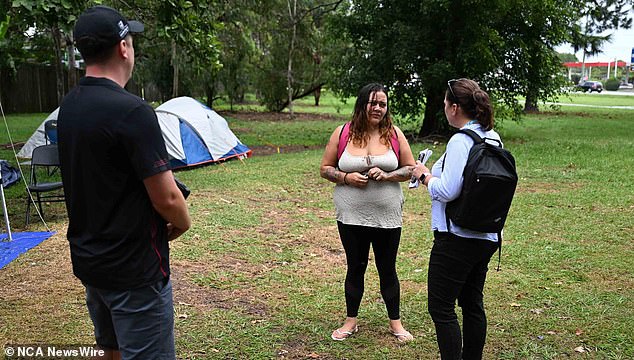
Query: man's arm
(168, 202)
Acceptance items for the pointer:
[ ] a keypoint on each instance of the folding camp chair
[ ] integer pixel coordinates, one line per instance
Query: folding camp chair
(50, 131)
(50, 137)
(43, 156)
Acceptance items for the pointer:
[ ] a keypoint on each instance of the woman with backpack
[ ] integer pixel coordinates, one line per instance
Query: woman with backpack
(367, 159)
(459, 258)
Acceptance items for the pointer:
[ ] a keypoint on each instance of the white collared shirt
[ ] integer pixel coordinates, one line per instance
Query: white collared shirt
(446, 185)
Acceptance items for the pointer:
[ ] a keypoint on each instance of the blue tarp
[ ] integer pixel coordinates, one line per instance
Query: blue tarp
(22, 242)
(10, 175)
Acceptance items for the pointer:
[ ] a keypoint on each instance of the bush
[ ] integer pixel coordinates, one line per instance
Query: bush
(612, 84)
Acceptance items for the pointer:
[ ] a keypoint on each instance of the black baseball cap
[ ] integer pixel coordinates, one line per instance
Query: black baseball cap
(101, 27)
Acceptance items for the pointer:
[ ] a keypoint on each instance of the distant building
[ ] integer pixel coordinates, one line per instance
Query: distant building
(610, 66)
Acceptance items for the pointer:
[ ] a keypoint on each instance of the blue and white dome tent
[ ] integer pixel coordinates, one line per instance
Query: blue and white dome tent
(195, 134)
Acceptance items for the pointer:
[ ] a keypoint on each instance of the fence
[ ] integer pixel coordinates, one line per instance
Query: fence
(31, 89)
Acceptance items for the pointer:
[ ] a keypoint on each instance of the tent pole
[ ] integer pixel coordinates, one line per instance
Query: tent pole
(4, 209)
(4, 203)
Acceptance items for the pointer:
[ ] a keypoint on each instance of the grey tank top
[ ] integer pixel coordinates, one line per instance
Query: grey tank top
(380, 204)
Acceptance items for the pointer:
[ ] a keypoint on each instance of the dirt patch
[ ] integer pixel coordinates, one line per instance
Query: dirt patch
(546, 187)
(187, 293)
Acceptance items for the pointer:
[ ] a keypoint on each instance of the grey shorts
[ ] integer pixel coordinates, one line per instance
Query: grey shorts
(137, 322)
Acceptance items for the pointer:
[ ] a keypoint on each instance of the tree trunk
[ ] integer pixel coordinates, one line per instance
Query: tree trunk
(289, 74)
(433, 121)
(317, 95)
(309, 91)
(72, 65)
(175, 71)
(59, 69)
(530, 105)
(210, 93)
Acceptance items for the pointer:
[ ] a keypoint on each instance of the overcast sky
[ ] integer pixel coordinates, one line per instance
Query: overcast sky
(620, 48)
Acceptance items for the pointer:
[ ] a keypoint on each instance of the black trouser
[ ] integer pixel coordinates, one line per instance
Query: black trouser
(356, 241)
(457, 271)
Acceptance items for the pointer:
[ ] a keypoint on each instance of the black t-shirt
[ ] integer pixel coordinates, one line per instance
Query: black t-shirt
(109, 141)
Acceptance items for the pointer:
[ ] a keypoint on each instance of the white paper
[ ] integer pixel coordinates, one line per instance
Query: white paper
(423, 156)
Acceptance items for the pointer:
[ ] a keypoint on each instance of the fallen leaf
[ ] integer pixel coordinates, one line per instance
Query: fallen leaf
(551, 332)
(184, 303)
(537, 311)
(183, 316)
(313, 356)
(215, 350)
(418, 270)
(580, 349)
(515, 305)
(540, 337)
(578, 332)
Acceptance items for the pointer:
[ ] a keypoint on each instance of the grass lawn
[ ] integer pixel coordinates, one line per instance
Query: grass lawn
(260, 274)
(600, 99)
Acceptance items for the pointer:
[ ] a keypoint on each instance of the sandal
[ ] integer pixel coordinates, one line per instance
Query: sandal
(343, 334)
(403, 336)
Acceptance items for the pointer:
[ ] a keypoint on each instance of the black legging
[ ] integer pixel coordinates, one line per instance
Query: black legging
(356, 241)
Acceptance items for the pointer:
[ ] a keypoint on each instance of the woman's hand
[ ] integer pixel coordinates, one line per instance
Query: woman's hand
(357, 179)
(377, 174)
(420, 169)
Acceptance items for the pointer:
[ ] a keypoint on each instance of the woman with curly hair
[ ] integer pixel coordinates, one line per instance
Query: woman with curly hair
(367, 159)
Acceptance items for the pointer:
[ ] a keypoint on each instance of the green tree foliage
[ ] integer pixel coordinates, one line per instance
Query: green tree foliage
(48, 20)
(532, 67)
(612, 84)
(289, 35)
(239, 51)
(11, 46)
(4, 24)
(596, 17)
(179, 49)
(415, 47)
(567, 57)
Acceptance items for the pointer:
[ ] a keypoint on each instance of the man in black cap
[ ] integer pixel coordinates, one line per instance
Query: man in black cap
(123, 203)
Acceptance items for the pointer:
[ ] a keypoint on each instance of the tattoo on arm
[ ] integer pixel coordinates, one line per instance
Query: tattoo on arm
(402, 174)
(333, 174)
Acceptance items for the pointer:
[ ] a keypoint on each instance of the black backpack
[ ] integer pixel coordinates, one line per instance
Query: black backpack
(489, 184)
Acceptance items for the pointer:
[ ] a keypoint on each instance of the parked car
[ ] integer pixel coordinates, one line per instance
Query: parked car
(591, 86)
(625, 85)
